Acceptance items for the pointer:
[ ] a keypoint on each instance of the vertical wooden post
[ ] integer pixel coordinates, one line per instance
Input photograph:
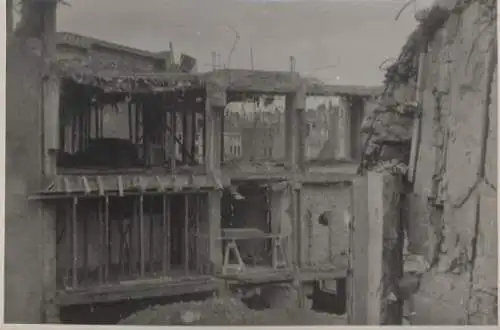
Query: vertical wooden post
(141, 235)
(186, 234)
(185, 133)
(74, 226)
(204, 137)
(100, 220)
(166, 235)
(222, 121)
(173, 133)
(130, 124)
(107, 245)
(194, 130)
(101, 121)
(85, 252)
(197, 247)
(384, 249)
(151, 235)
(358, 253)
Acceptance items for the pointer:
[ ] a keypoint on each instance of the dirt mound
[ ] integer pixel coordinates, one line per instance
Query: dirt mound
(227, 311)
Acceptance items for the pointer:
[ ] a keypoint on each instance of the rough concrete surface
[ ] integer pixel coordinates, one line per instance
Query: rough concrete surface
(23, 224)
(322, 241)
(452, 210)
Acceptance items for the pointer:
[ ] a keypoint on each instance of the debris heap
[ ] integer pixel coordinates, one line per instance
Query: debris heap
(227, 311)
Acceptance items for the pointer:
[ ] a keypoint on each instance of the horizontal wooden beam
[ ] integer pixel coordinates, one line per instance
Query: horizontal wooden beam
(137, 290)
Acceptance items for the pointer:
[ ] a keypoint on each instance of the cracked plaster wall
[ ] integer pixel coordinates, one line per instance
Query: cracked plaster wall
(450, 215)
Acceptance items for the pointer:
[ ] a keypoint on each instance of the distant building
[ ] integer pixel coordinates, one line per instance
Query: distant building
(263, 143)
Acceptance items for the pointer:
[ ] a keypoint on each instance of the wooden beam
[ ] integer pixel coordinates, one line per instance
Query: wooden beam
(415, 139)
(385, 249)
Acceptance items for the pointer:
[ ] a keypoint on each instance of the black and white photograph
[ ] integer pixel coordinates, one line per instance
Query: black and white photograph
(250, 162)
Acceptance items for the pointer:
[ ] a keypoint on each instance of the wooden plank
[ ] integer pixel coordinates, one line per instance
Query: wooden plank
(384, 249)
(358, 256)
(415, 139)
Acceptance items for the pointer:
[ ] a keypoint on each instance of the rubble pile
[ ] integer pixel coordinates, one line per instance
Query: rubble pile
(227, 311)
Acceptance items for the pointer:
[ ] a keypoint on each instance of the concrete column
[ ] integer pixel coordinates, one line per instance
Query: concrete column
(214, 110)
(214, 230)
(344, 136)
(50, 90)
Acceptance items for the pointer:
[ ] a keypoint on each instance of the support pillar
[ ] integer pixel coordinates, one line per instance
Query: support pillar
(295, 128)
(385, 249)
(50, 128)
(344, 135)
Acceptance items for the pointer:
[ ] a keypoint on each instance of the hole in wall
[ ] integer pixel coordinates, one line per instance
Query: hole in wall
(325, 218)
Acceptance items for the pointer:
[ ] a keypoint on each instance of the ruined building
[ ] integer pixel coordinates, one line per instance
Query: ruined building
(95, 219)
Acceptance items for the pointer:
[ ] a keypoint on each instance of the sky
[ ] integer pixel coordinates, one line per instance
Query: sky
(340, 42)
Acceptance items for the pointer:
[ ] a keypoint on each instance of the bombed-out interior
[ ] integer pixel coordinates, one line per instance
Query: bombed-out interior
(109, 131)
(111, 239)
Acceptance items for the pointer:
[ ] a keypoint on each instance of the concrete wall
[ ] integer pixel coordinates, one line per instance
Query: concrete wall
(320, 242)
(23, 223)
(461, 242)
(451, 211)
